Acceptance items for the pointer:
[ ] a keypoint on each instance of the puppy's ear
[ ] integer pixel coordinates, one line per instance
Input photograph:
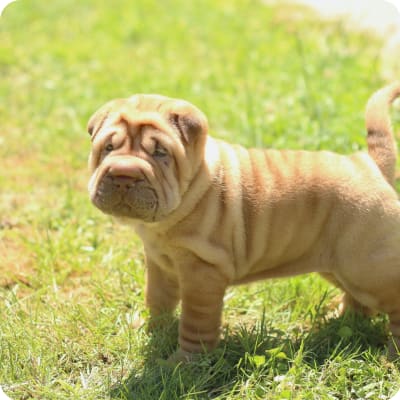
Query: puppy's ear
(190, 122)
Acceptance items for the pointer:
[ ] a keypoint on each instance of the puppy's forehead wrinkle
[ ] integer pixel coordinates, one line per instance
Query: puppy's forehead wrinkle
(147, 118)
(102, 121)
(106, 125)
(95, 126)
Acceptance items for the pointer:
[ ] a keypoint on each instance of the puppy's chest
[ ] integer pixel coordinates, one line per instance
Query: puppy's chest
(164, 260)
(159, 249)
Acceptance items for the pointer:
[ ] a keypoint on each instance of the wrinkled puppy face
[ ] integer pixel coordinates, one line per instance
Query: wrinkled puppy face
(145, 151)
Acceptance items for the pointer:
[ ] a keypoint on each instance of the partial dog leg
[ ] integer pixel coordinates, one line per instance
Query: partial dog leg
(202, 291)
(162, 294)
(394, 341)
(347, 302)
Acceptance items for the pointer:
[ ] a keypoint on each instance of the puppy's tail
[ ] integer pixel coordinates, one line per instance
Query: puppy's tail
(381, 141)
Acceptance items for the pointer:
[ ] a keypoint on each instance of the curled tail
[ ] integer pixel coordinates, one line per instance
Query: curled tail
(381, 141)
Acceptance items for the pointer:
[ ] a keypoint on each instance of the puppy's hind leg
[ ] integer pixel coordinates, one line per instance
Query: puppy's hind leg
(347, 301)
(394, 341)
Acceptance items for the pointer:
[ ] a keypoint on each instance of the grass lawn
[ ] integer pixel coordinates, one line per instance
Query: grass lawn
(71, 280)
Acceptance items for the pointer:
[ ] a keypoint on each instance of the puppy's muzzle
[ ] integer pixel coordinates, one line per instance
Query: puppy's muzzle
(124, 191)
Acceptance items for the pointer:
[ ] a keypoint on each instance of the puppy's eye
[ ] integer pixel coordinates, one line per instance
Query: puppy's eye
(159, 151)
(109, 147)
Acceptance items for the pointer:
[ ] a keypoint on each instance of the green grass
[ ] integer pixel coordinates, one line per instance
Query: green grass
(71, 280)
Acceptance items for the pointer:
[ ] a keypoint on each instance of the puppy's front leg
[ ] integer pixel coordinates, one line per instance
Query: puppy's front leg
(202, 289)
(162, 293)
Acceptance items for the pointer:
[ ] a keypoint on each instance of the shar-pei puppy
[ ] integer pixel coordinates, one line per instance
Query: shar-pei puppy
(212, 214)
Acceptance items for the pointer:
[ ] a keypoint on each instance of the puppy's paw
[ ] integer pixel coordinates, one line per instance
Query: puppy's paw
(179, 357)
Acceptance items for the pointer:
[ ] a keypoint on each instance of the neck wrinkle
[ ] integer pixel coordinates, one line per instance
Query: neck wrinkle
(205, 175)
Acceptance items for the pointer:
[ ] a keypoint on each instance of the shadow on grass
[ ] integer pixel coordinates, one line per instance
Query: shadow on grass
(243, 351)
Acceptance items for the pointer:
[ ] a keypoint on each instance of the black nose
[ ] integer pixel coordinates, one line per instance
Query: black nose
(124, 182)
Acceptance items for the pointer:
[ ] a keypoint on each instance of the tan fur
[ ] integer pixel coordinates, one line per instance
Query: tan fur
(381, 144)
(223, 215)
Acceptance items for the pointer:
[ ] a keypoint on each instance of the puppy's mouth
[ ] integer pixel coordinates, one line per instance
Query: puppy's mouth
(124, 196)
